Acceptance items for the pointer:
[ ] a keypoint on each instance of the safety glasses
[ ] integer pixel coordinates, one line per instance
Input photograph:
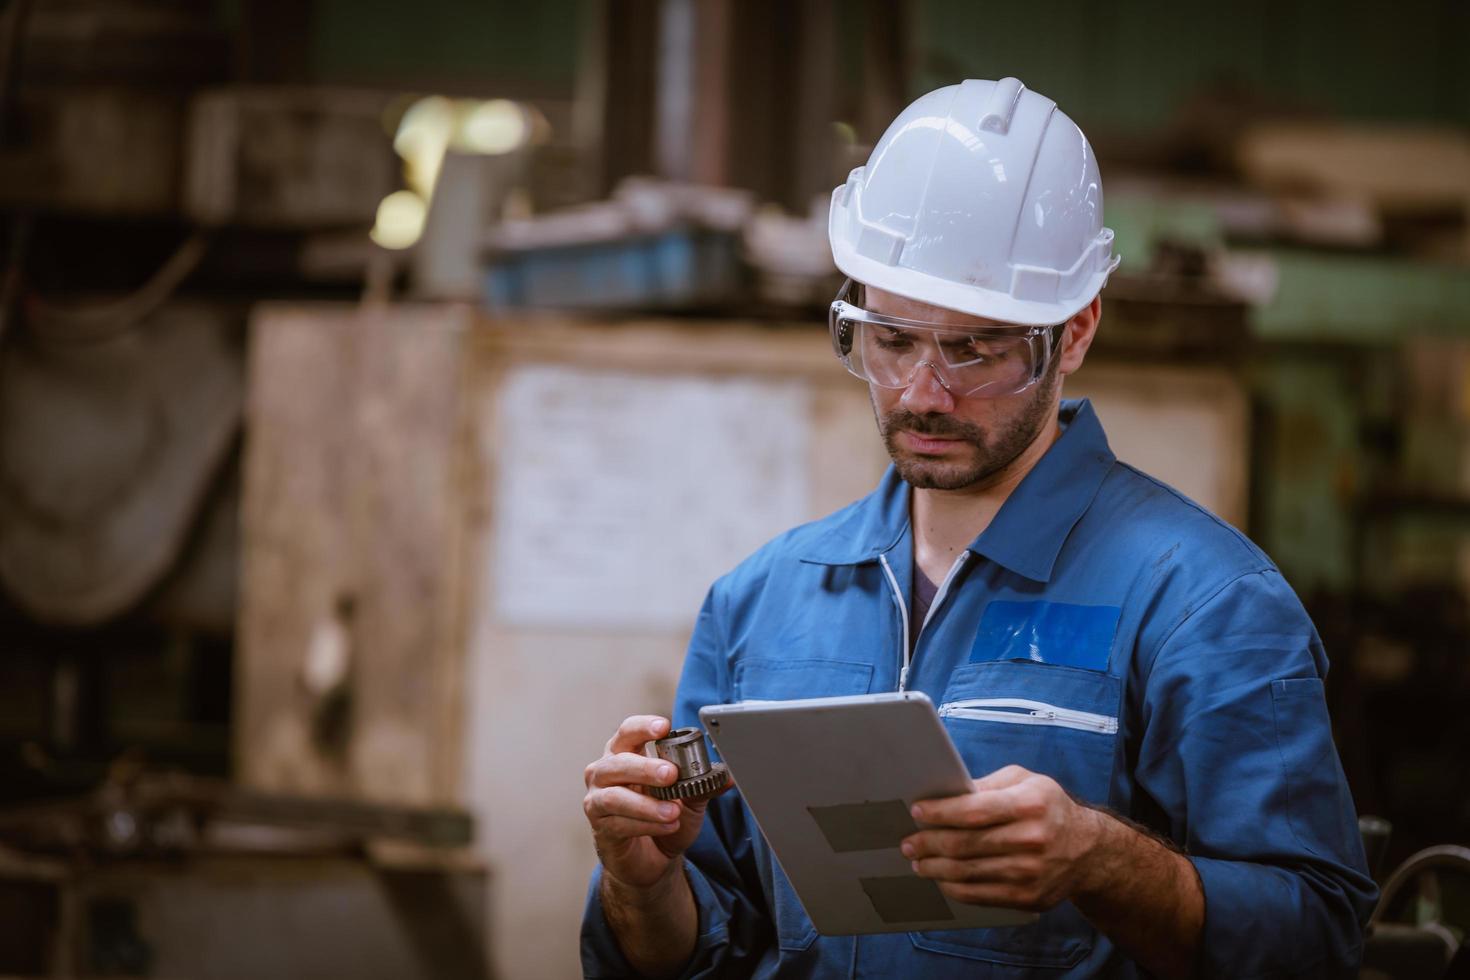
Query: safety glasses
(890, 352)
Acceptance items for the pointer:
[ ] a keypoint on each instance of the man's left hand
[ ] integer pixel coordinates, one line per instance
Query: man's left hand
(1015, 840)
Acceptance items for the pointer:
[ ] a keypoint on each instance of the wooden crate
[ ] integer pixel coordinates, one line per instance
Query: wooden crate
(293, 158)
(93, 149)
(351, 502)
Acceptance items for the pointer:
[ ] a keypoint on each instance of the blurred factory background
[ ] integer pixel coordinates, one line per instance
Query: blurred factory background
(383, 383)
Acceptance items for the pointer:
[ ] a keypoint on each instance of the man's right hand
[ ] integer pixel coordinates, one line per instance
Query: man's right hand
(639, 838)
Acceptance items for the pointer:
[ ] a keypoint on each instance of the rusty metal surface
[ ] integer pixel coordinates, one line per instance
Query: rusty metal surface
(232, 918)
(300, 158)
(112, 429)
(174, 813)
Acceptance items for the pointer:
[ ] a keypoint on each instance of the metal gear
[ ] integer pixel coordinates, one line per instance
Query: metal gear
(698, 778)
(695, 788)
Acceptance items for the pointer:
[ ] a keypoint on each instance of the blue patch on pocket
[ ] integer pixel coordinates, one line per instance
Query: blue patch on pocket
(1047, 632)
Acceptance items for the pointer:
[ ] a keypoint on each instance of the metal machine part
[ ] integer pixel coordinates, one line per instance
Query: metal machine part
(687, 750)
(154, 814)
(1419, 929)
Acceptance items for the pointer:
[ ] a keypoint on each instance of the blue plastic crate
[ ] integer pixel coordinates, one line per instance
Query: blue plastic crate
(684, 267)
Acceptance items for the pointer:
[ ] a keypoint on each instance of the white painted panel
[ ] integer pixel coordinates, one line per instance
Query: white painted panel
(629, 494)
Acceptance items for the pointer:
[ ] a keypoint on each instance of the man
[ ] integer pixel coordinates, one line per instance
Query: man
(1137, 688)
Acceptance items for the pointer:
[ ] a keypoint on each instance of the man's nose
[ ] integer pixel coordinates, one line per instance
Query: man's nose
(926, 392)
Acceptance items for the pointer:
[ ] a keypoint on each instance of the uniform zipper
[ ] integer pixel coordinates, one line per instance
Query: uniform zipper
(905, 655)
(954, 569)
(1020, 711)
(903, 613)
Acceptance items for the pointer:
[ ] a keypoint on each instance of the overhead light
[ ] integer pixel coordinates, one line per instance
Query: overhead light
(401, 217)
(491, 128)
(429, 128)
(423, 136)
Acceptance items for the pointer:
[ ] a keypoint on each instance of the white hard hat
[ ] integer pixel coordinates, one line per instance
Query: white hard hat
(981, 197)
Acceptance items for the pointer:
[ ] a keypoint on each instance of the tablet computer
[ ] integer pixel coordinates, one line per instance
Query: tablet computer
(830, 782)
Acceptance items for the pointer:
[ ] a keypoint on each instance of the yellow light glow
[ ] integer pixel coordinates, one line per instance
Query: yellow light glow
(428, 129)
(401, 217)
(423, 136)
(493, 127)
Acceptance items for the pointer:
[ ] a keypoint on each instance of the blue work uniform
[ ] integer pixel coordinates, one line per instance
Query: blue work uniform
(1103, 630)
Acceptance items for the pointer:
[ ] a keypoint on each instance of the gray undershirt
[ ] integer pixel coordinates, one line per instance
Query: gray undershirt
(923, 597)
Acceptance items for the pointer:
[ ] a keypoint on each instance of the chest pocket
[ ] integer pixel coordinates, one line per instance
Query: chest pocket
(1056, 720)
(786, 680)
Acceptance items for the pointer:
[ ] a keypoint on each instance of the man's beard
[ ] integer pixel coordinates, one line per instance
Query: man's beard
(991, 454)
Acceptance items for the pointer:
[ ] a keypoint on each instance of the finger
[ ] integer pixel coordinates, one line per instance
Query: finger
(993, 894)
(979, 808)
(635, 731)
(619, 801)
(965, 843)
(630, 769)
(990, 870)
(626, 828)
(1003, 777)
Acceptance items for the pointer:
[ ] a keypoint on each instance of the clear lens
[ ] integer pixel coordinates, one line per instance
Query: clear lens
(889, 353)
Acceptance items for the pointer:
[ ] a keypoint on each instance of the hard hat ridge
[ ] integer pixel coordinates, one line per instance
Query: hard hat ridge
(1000, 104)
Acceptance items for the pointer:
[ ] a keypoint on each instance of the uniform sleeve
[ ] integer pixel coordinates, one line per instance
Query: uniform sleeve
(734, 927)
(1237, 749)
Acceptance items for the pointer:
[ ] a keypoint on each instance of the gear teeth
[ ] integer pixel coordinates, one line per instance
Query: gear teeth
(694, 787)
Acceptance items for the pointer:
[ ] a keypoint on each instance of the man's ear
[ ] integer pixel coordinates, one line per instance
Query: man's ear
(1078, 336)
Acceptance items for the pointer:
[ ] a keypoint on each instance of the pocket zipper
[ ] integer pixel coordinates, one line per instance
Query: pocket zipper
(1019, 711)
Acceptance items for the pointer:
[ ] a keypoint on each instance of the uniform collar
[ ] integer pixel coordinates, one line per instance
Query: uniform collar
(1026, 535)
(873, 526)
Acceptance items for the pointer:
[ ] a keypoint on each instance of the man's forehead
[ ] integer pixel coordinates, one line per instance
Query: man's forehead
(892, 304)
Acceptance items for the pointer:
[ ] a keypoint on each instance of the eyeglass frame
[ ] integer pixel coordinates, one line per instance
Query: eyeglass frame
(842, 337)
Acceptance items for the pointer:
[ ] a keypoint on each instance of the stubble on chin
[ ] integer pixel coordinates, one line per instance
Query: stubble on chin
(966, 462)
(933, 473)
(985, 454)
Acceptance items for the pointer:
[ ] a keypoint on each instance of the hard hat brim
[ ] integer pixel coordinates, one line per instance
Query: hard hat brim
(974, 300)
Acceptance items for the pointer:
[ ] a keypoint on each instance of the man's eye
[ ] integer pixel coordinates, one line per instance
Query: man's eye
(894, 342)
(968, 351)
(982, 351)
